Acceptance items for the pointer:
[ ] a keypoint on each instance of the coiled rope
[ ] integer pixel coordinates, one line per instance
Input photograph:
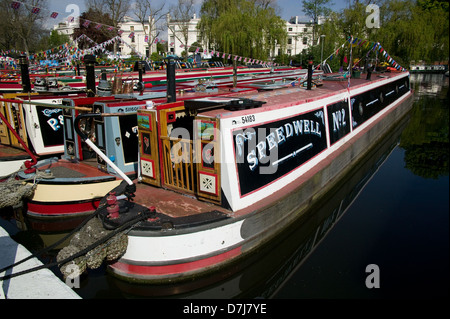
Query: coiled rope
(15, 190)
(140, 217)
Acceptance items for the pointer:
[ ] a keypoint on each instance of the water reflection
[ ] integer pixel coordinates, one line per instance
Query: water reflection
(426, 138)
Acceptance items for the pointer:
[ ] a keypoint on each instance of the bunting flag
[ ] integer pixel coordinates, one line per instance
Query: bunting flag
(70, 19)
(86, 23)
(54, 15)
(15, 5)
(146, 39)
(35, 10)
(371, 46)
(131, 35)
(98, 26)
(156, 41)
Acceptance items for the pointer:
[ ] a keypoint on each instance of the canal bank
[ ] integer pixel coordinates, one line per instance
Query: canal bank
(40, 284)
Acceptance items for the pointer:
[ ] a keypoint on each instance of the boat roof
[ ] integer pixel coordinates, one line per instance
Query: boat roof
(279, 98)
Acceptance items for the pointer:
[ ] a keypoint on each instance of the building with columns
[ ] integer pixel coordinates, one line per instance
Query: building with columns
(181, 33)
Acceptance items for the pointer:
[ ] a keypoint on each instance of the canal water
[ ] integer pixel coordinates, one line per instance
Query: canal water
(382, 233)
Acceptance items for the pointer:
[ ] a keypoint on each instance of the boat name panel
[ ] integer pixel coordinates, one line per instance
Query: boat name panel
(266, 152)
(50, 122)
(338, 121)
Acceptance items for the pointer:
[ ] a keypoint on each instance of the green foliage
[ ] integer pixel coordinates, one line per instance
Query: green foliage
(241, 27)
(55, 39)
(155, 57)
(425, 139)
(408, 30)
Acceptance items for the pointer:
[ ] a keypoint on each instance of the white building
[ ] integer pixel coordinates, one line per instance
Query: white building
(137, 38)
(181, 33)
(299, 35)
(66, 27)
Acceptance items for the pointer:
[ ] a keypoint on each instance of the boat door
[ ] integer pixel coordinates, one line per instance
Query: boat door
(207, 150)
(148, 147)
(15, 116)
(181, 152)
(178, 167)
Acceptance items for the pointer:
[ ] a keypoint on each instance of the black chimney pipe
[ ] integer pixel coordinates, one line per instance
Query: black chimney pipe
(89, 61)
(26, 84)
(171, 88)
(310, 72)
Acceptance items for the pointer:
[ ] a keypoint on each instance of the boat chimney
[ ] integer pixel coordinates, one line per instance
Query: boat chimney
(171, 88)
(26, 84)
(89, 61)
(141, 69)
(310, 72)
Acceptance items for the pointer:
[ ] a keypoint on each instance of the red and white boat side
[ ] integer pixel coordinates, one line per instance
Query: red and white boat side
(274, 160)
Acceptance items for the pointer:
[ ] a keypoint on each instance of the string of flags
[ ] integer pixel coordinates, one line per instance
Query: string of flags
(66, 48)
(371, 46)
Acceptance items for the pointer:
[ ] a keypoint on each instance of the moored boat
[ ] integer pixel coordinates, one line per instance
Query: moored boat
(222, 175)
(259, 168)
(219, 175)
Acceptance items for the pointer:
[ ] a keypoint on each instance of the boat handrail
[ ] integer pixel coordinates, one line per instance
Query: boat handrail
(56, 106)
(95, 148)
(28, 164)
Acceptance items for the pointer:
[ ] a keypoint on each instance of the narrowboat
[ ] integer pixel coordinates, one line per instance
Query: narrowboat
(80, 178)
(207, 180)
(221, 176)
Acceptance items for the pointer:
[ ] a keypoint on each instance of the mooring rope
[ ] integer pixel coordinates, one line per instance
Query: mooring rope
(140, 217)
(102, 205)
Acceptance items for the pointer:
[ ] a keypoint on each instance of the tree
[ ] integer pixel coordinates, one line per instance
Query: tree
(116, 9)
(97, 35)
(316, 9)
(182, 14)
(21, 28)
(56, 39)
(147, 13)
(242, 27)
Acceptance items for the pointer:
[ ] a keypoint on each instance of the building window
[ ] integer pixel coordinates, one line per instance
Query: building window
(305, 40)
(131, 28)
(289, 40)
(305, 29)
(289, 29)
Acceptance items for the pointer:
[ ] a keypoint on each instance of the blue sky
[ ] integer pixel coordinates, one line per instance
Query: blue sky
(289, 8)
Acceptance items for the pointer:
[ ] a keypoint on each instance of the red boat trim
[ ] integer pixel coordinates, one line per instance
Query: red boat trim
(61, 209)
(173, 269)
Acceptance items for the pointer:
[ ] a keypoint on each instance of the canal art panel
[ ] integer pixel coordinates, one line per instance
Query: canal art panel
(367, 104)
(266, 152)
(51, 122)
(338, 121)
